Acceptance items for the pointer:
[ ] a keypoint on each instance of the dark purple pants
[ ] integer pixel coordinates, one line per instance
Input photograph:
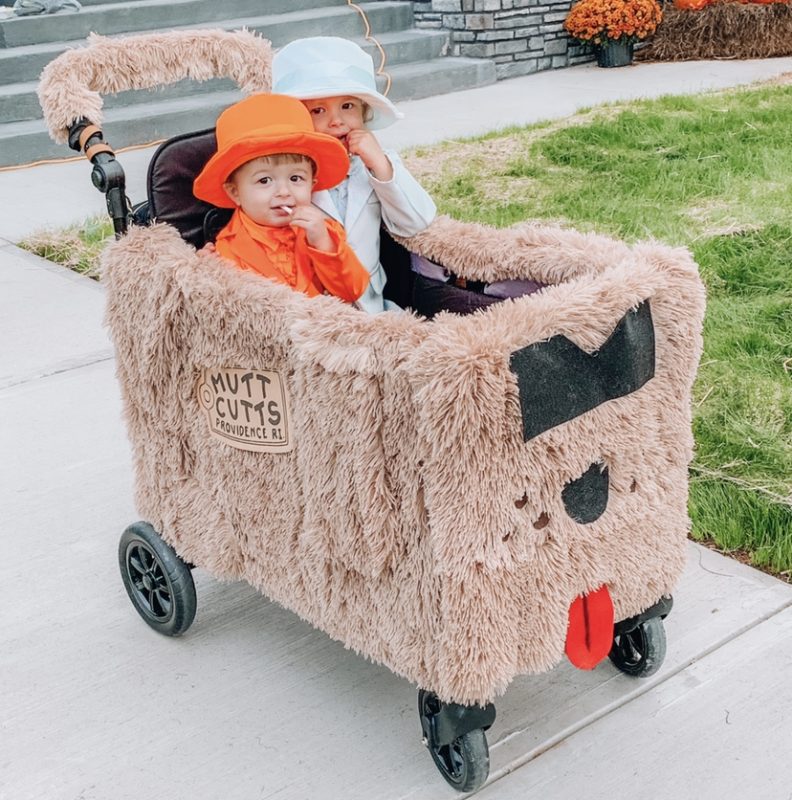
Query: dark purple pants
(430, 297)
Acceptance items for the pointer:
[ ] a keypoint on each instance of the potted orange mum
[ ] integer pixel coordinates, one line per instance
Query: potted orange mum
(613, 27)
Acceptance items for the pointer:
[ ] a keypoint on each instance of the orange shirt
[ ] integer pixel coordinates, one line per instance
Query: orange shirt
(284, 255)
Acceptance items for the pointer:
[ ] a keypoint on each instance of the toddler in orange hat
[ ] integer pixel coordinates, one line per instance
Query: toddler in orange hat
(269, 160)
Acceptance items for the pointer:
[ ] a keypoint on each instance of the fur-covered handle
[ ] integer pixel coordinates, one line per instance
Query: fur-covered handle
(71, 85)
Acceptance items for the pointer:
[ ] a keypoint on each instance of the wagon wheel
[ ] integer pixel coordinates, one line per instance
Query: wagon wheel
(464, 763)
(158, 582)
(641, 651)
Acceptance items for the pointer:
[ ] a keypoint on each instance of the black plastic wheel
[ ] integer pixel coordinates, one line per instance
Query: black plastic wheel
(465, 762)
(640, 652)
(158, 582)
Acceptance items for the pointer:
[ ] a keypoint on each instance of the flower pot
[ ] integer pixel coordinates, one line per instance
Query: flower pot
(615, 54)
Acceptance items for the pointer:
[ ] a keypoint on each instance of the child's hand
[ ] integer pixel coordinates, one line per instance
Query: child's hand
(364, 143)
(312, 221)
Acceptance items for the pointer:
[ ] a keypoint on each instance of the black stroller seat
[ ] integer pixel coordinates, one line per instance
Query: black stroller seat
(169, 186)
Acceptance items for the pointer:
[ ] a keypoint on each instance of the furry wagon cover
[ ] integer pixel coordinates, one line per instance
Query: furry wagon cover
(411, 520)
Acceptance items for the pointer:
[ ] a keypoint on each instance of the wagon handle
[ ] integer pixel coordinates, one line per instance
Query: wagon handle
(107, 174)
(71, 86)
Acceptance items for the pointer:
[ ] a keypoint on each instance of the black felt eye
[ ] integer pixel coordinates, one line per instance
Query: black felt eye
(586, 498)
(558, 381)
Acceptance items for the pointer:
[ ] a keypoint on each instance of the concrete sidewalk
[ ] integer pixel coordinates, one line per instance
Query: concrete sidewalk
(254, 703)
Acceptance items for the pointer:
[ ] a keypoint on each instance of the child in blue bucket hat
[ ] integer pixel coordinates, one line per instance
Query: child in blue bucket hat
(335, 80)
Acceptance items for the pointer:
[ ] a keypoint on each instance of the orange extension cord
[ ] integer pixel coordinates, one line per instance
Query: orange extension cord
(370, 38)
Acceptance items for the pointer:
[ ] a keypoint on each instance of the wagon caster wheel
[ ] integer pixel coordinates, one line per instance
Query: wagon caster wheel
(158, 582)
(464, 760)
(641, 651)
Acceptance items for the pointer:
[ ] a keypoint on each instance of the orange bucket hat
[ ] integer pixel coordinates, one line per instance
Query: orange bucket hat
(264, 125)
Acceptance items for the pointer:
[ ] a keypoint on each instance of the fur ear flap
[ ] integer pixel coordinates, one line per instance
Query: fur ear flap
(325, 340)
(345, 340)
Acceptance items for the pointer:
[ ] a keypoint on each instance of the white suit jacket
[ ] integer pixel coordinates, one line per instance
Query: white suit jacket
(400, 203)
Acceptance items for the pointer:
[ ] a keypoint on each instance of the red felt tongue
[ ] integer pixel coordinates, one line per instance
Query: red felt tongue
(590, 632)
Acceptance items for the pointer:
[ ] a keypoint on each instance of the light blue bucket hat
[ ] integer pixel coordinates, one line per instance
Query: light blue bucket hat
(328, 66)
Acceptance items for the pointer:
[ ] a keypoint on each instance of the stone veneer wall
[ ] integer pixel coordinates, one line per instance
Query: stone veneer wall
(520, 36)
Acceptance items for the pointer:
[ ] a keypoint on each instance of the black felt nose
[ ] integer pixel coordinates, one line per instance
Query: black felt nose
(586, 498)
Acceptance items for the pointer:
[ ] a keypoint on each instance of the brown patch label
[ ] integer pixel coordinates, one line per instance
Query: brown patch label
(247, 408)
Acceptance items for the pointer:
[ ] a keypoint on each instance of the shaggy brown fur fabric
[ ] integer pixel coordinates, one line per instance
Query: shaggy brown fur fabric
(727, 29)
(71, 85)
(411, 521)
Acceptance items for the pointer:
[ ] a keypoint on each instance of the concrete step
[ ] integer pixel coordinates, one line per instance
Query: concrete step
(338, 20)
(19, 101)
(413, 58)
(439, 76)
(24, 63)
(27, 141)
(101, 2)
(137, 15)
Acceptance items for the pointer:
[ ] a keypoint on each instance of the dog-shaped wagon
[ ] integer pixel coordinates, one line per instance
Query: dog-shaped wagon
(464, 498)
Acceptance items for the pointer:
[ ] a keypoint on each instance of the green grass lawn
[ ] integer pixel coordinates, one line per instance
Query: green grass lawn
(77, 247)
(712, 172)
